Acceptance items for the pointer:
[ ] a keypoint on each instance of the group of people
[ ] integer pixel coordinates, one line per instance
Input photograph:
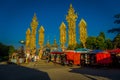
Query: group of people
(57, 58)
(31, 56)
(25, 57)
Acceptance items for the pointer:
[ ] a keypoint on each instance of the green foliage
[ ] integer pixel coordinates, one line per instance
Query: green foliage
(102, 34)
(117, 21)
(79, 46)
(108, 44)
(11, 50)
(100, 42)
(4, 51)
(91, 43)
(71, 47)
(116, 41)
(117, 16)
(114, 30)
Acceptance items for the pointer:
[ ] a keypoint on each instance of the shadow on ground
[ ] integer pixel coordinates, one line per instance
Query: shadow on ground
(15, 72)
(111, 74)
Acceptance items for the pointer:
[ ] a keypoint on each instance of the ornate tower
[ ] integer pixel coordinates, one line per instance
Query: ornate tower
(55, 45)
(71, 19)
(62, 35)
(83, 32)
(34, 25)
(27, 44)
(41, 36)
(48, 44)
(41, 40)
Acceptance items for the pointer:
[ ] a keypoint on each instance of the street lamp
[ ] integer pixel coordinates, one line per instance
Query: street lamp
(22, 47)
(22, 41)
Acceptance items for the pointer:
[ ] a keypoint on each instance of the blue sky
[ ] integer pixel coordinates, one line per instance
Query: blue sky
(16, 16)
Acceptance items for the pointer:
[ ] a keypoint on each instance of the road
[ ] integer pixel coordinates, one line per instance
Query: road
(50, 71)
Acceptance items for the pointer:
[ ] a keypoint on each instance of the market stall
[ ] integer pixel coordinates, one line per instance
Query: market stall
(73, 57)
(56, 56)
(103, 58)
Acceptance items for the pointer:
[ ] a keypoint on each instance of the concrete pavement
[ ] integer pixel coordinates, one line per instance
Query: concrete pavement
(49, 71)
(59, 72)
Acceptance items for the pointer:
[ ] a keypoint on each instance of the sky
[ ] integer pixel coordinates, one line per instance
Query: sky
(16, 16)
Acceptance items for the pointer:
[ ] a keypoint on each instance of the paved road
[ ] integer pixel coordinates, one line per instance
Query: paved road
(50, 71)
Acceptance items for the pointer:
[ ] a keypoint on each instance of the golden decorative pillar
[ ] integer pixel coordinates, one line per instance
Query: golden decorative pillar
(41, 41)
(83, 32)
(27, 44)
(34, 25)
(71, 19)
(62, 35)
(41, 36)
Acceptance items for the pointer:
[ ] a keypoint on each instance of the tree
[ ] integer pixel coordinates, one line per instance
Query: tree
(5, 50)
(108, 44)
(11, 50)
(100, 43)
(116, 41)
(102, 34)
(79, 45)
(91, 42)
(117, 21)
(96, 42)
(71, 47)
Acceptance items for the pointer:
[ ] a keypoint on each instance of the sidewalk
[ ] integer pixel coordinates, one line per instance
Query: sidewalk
(3, 62)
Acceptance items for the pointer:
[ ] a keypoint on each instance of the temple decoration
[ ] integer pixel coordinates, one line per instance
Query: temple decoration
(41, 41)
(34, 25)
(41, 36)
(48, 44)
(62, 35)
(55, 45)
(71, 19)
(27, 43)
(83, 32)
